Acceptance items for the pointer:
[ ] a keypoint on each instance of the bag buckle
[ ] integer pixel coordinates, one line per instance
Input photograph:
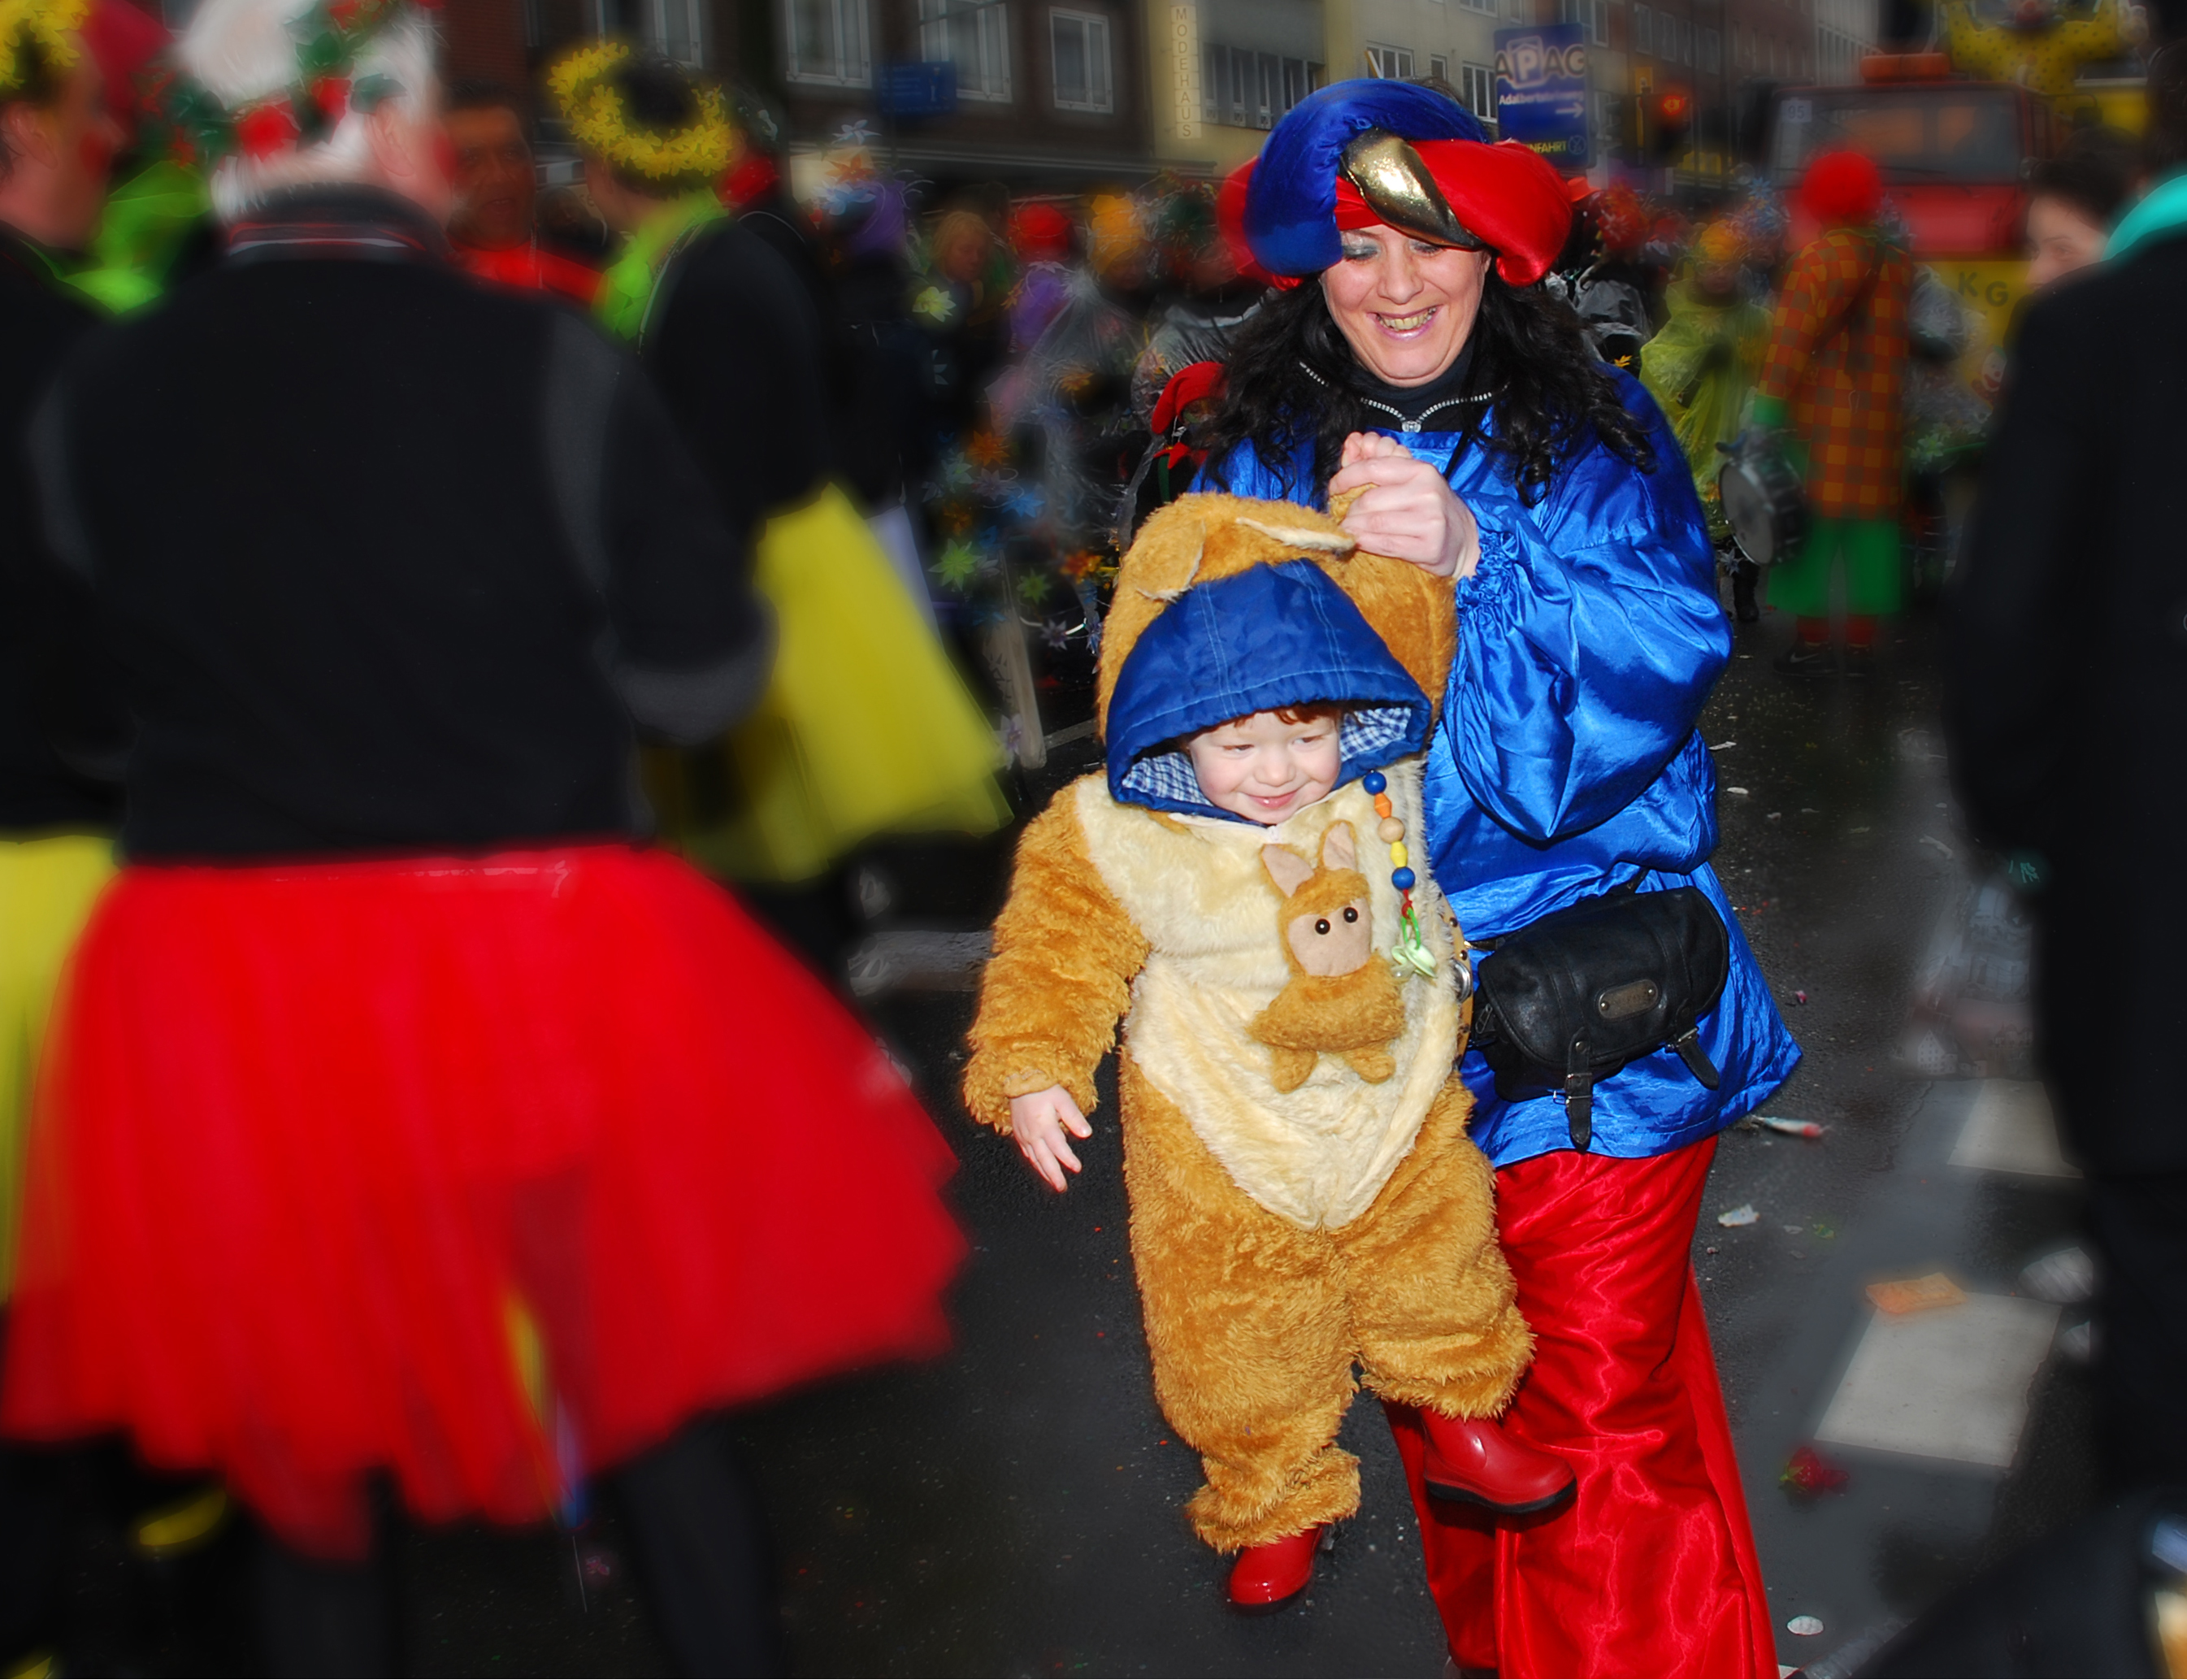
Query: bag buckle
(1579, 1096)
(1690, 1050)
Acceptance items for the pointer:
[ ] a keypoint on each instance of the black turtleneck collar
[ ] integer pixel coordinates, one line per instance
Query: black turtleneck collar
(1418, 404)
(338, 220)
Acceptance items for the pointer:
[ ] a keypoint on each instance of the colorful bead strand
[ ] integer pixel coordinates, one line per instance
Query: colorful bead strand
(1412, 952)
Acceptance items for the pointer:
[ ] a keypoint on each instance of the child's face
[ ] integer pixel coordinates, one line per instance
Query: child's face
(1262, 768)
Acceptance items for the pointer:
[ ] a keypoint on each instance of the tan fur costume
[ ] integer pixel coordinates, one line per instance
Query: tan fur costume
(1295, 1214)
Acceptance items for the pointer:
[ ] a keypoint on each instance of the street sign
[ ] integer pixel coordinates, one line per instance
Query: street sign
(1541, 92)
(920, 87)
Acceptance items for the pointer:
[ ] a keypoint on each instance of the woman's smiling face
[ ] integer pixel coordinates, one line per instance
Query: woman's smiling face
(1405, 306)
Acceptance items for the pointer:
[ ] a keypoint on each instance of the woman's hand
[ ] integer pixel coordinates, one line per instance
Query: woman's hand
(1407, 511)
(1038, 1122)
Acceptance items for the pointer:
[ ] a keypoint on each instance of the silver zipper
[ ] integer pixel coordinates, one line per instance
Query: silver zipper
(1398, 415)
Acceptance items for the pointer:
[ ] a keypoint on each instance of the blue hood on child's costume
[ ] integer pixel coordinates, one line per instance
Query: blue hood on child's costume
(1270, 637)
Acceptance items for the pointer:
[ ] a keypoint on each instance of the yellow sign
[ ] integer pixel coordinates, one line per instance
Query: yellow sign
(1185, 71)
(1988, 289)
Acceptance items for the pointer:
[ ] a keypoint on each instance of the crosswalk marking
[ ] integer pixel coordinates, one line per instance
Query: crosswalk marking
(2009, 1129)
(1949, 1383)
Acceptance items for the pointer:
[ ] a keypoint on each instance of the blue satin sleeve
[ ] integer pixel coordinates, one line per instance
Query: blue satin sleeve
(1588, 639)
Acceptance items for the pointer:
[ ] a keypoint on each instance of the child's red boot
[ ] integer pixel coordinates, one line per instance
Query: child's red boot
(1474, 1460)
(1267, 1577)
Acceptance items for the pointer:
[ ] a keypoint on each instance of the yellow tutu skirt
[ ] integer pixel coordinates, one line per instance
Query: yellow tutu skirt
(866, 727)
(47, 888)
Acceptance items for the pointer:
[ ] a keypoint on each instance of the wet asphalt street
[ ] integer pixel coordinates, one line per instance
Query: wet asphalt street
(1014, 1509)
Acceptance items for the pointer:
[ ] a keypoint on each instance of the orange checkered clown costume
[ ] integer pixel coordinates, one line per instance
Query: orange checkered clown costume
(1835, 370)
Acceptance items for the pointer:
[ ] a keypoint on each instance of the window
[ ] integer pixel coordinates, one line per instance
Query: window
(1476, 90)
(676, 29)
(1080, 44)
(673, 28)
(1592, 17)
(1486, 6)
(825, 42)
(974, 34)
(1250, 90)
(1439, 68)
(1712, 51)
(1644, 31)
(1394, 62)
(1298, 81)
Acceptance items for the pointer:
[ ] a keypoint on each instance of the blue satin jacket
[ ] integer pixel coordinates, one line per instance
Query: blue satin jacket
(1567, 760)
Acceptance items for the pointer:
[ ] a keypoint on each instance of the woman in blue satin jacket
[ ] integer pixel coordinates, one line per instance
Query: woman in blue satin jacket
(1409, 359)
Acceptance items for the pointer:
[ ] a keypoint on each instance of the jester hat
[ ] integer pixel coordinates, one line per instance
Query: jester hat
(1357, 154)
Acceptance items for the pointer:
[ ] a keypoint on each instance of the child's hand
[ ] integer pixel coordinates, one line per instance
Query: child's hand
(1038, 1122)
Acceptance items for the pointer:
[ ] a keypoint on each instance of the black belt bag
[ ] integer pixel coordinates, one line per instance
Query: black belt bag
(1570, 998)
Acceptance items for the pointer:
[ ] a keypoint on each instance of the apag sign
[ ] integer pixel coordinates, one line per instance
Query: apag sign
(1541, 92)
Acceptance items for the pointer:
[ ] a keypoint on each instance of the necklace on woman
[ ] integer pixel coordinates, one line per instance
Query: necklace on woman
(1407, 423)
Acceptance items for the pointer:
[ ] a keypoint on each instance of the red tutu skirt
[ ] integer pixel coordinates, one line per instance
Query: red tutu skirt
(486, 1173)
(1650, 1569)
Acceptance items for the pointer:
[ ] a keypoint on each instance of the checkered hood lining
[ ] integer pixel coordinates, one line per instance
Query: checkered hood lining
(1367, 738)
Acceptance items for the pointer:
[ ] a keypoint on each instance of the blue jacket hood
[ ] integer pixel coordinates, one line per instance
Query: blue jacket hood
(1270, 637)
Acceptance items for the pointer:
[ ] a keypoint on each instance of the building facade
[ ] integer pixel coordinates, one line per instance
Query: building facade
(1845, 31)
(1048, 91)
(1220, 74)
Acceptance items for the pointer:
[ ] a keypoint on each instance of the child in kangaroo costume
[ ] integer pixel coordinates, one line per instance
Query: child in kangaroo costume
(1304, 1198)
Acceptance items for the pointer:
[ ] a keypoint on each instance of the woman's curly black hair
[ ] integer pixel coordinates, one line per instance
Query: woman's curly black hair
(1292, 375)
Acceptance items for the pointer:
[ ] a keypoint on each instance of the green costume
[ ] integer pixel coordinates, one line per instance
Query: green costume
(625, 293)
(1802, 584)
(1699, 369)
(148, 218)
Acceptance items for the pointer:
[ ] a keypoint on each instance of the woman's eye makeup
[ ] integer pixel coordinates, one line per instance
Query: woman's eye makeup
(1361, 253)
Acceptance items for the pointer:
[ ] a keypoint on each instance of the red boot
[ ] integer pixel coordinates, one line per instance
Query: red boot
(1472, 1459)
(1267, 1577)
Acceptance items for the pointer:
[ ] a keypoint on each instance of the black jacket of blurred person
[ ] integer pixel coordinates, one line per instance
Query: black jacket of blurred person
(56, 143)
(40, 696)
(2067, 708)
(473, 550)
(2080, 1601)
(862, 401)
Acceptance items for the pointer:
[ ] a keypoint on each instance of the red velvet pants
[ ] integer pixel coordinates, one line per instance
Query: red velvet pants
(1650, 1569)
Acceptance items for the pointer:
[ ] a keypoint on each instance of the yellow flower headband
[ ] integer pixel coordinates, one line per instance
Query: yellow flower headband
(696, 154)
(38, 42)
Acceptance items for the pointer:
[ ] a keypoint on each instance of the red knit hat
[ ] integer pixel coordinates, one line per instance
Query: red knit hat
(1842, 189)
(1507, 196)
(1040, 233)
(1191, 383)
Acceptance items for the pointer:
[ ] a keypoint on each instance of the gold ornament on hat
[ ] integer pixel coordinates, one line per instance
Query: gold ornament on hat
(1399, 186)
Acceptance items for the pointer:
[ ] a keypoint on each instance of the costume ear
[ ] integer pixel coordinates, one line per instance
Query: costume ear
(1336, 542)
(1286, 868)
(1339, 848)
(1191, 572)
